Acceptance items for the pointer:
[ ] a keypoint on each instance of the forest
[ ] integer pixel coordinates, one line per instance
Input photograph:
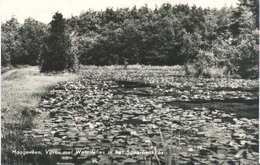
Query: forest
(166, 35)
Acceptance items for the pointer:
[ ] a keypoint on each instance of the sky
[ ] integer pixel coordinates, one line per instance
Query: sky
(43, 10)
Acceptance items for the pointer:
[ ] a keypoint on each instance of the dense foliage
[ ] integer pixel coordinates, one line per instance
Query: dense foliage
(166, 35)
(21, 44)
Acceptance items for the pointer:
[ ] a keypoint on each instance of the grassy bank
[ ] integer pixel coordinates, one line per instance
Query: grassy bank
(22, 89)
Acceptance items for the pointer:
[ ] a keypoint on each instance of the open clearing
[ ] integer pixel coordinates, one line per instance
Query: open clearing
(115, 116)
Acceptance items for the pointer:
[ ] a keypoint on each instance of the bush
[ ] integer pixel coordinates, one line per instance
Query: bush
(191, 70)
(213, 72)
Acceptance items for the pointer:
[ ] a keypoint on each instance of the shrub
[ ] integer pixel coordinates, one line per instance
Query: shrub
(214, 72)
(190, 70)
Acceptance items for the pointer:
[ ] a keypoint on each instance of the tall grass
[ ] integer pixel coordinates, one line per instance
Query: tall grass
(170, 152)
(169, 149)
(21, 92)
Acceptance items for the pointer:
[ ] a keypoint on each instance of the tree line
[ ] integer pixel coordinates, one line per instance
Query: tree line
(166, 35)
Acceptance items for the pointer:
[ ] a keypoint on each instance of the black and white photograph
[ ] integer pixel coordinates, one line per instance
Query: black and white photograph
(129, 82)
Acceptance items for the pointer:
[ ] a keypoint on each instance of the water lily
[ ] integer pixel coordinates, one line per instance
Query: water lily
(242, 142)
(199, 147)
(91, 126)
(94, 161)
(53, 132)
(242, 135)
(147, 141)
(190, 149)
(134, 133)
(237, 156)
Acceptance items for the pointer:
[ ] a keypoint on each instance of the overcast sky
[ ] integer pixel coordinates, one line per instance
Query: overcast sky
(42, 10)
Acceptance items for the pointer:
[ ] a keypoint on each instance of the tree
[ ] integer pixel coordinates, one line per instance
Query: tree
(170, 35)
(246, 39)
(57, 54)
(10, 43)
(253, 6)
(32, 33)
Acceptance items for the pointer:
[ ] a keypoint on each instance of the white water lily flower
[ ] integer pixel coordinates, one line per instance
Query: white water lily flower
(148, 141)
(134, 133)
(190, 149)
(199, 147)
(105, 117)
(237, 156)
(153, 126)
(243, 142)
(94, 161)
(91, 126)
(242, 135)
(53, 132)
